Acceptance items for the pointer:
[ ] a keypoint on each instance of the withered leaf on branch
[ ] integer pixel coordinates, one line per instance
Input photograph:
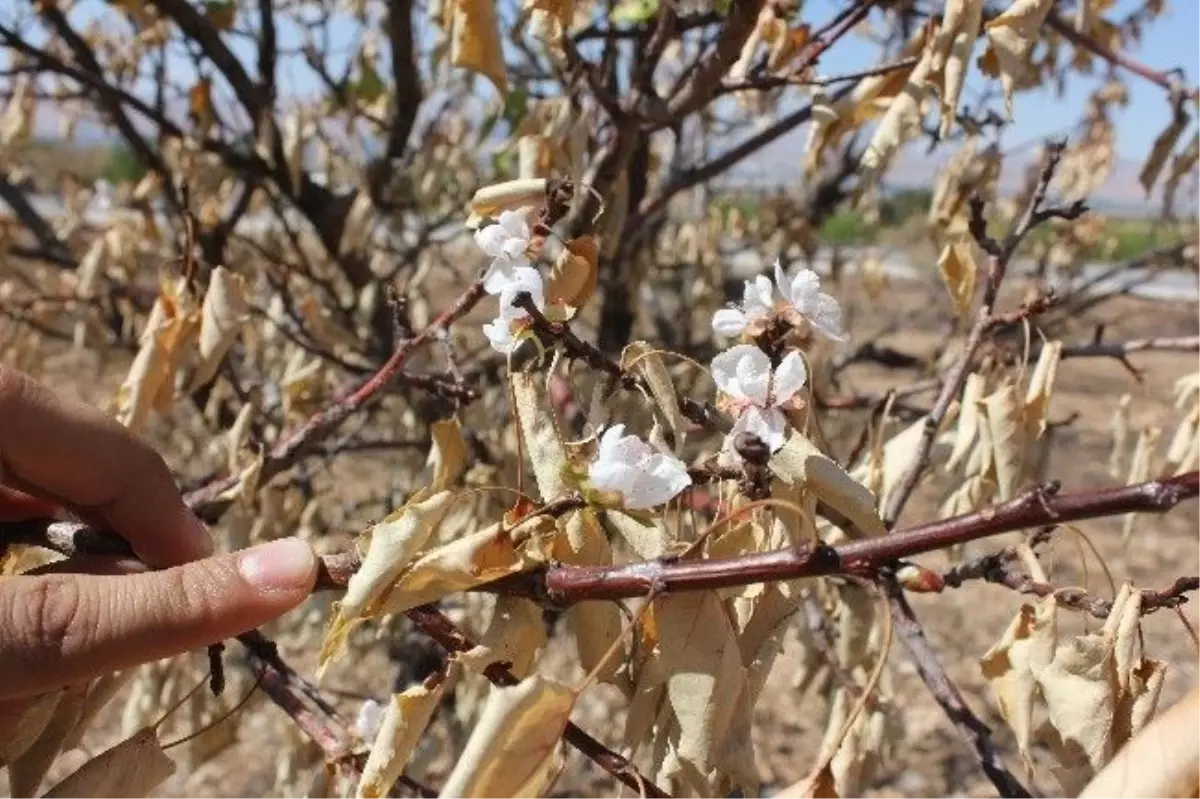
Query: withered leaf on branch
(404, 722)
(1012, 35)
(135, 767)
(515, 746)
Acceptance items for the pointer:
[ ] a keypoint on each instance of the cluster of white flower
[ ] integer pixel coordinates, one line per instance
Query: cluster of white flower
(756, 393)
(509, 274)
(643, 476)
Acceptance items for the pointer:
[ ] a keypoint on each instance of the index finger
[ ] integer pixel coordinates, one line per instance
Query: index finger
(78, 455)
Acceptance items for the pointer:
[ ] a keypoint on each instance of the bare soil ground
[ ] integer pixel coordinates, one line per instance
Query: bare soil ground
(930, 759)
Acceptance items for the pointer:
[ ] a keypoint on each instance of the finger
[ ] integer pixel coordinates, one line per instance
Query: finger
(72, 452)
(91, 564)
(60, 629)
(16, 505)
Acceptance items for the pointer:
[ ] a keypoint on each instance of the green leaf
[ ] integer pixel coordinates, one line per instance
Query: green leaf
(634, 12)
(369, 87)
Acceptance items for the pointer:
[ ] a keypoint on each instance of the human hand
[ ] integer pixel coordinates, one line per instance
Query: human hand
(59, 626)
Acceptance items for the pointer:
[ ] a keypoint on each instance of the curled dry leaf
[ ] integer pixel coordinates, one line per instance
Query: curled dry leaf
(539, 431)
(26, 772)
(952, 54)
(490, 201)
(1120, 437)
(1163, 144)
(149, 385)
(475, 40)
(222, 316)
(800, 464)
(699, 659)
(959, 272)
(1098, 689)
(404, 722)
(899, 123)
(515, 635)
(515, 746)
(29, 726)
(595, 625)
(392, 544)
(1004, 417)
(641, 358)
(1141, 468)
(573, 277)
(134, 767)
(1013, 664)
(1012, 35)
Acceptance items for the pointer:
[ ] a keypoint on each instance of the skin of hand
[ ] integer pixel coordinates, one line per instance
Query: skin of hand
(71, 621)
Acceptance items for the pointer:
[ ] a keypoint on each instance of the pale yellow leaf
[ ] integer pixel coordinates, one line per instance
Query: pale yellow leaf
(1141, 468)
(136, 766)
(26, 772)
(961, 20)
(800, 464)
(595, 625)
(573, 277)
(404, 722)
(512, 750)
(222, 317)
(898, 125)
(515, 634)
(1012, 35)
(475, 41)
(29, 726)
(1008, 448)
(539, 429)
(464, 563)
(1041, 389)
(699, 649)
(489, 201)
(959, 272)
(967, 431)
(1012, 665)
(391, 546)
(642, 358)
(1163, 144)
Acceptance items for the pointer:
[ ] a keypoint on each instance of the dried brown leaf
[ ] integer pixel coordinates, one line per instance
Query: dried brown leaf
(514, 747)
(404, 722)
(134, 767)
(1012, 35)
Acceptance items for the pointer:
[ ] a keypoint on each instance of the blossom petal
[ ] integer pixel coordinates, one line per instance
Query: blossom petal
(754, 375)
(724, 369)
(514, 224)
(662, 477)
(499, 335)
(609, 440)
(758, 299)
(491, 239)
(522, 279)
(804, 291)
(826, 318)
(769, 424)
(613, 475)
(729, 322)
(790, 377)
(498, 275)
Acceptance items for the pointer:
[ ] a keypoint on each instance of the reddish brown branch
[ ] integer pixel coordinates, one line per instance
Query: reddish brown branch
(1161, 78)
(208, 502)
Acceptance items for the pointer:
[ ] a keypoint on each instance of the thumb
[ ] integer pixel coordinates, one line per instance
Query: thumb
(60, 628)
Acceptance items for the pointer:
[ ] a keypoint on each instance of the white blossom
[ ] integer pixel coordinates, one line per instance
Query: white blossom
(756, 393)
(642, 475)
(370, 716)
(800, 297)
(507, 242)
(501, 332)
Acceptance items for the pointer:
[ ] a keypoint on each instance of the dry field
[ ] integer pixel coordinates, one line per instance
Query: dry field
(929, 759)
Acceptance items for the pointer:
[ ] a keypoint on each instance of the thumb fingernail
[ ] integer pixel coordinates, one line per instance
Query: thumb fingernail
(287, 564)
